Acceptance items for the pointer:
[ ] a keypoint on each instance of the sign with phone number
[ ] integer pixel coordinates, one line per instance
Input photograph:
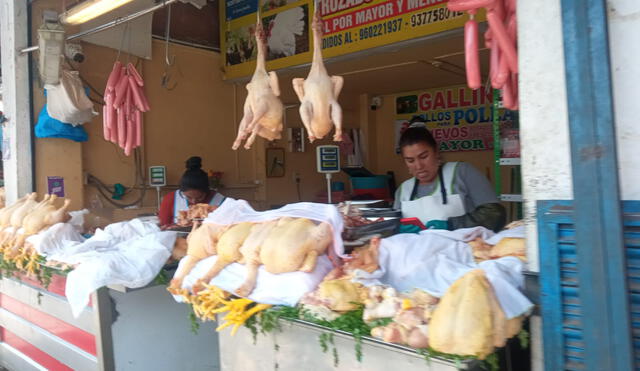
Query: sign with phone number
(386, 22)
(349, 26)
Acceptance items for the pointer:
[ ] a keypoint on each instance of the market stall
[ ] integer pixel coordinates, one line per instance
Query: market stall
(226, 269)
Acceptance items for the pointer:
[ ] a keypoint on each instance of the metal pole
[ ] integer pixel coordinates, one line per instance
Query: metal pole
(496, 142)
(108, 25)
(328, 188)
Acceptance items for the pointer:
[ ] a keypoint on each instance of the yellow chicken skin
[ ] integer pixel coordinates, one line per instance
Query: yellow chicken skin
(294, 245)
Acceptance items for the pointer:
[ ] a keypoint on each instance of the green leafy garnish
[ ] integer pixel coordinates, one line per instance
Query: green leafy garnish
(195, 326)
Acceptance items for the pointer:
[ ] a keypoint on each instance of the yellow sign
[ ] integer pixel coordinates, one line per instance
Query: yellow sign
(459, 118)
(349, 26)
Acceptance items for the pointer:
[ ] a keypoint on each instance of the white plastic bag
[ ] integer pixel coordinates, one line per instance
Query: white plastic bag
(67, 101)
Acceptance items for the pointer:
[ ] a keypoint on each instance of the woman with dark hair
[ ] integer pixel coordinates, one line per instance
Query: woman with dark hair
(448, 195)
(194, 189)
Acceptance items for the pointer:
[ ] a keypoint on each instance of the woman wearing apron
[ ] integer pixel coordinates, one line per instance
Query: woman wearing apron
(194, 189)
(448, 195)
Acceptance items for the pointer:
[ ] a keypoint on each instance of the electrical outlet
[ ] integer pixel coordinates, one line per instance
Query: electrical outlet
(296, 177)
(85, 178)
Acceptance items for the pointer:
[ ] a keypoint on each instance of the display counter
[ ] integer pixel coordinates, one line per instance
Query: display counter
(297, 346)
(143, 329)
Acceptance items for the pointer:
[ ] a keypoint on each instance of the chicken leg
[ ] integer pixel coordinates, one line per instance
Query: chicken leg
(250, 251)
(228, 248)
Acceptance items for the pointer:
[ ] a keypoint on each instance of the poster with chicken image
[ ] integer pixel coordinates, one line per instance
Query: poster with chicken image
(349, 26)
(287, 29)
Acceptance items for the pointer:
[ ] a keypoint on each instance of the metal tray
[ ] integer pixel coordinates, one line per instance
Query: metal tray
(384, 229)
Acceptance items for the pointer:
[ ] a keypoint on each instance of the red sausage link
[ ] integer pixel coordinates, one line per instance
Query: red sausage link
(465, 5)
(472, 59)
(507, 46)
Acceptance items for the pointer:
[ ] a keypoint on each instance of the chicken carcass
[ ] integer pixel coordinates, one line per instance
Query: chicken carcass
(318, 93)
(228, 250)
(295, 246)
(41, 217)
(250, 251)
(463, 322)
(6, 232)
(201, 243)
(18, 214)
(509, 246)
(263, 110)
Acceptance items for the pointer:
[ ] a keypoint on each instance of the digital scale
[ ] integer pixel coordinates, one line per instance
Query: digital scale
(328, 162)
(157, 179)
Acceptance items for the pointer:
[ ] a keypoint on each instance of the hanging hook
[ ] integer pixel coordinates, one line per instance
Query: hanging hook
(169, 61)
(167, 33)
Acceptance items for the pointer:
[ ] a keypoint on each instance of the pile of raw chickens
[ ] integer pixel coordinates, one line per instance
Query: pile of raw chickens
(282, 245)
(24, 218)
(124, 104)
(466, 321)
(500, 38)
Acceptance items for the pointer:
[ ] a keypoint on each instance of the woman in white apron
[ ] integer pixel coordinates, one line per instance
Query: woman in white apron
(448, 195)
(194, 189)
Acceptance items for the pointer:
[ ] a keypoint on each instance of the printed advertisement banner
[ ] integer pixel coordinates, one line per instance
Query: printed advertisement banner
(349, 26)
(459, 118)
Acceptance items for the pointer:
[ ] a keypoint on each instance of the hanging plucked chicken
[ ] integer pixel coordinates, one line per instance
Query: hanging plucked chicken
(318, 93)
(125, 102)
(263, 109)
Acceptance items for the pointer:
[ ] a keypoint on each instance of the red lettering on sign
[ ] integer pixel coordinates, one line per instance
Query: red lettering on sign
(425, 102)
(450, 102)
(439, 101)
(461, 95)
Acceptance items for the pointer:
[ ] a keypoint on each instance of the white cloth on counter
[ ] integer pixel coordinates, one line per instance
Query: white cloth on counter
(129, 253)
(434, 259)
(54, 242)
(236, 211)
(277, 289)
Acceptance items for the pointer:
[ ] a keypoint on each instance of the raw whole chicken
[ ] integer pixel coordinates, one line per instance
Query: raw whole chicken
(201, 243)
(469, 320)
(6, 232)
(250, 251)
(295, 246)
(5, 213)
(263, 110)
(228, 250)
(283, 30)
(18, 214)
(318, 93)
(44, 215)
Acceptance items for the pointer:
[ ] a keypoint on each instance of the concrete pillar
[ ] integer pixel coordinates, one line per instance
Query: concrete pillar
(18, 174)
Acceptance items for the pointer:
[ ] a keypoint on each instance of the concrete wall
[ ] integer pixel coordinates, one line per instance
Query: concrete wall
(624, 23)
(544, 134)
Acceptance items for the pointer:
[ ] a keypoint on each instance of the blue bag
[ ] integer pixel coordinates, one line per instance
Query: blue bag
(48, 127)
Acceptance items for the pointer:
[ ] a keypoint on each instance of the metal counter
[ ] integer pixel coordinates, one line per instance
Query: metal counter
(297, 347)
(143, 329)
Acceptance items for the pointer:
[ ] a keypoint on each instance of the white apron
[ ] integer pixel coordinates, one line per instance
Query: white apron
(181, 204)
(433, 207)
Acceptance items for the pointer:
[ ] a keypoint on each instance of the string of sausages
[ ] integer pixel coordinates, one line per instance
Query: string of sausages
(124, 104)
(500, 38)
